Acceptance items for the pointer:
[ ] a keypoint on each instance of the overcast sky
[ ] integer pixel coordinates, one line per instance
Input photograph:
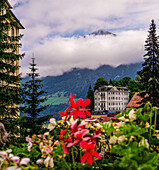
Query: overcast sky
(55, 30)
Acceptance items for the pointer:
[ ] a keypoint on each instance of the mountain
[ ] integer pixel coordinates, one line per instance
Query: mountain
(102, 32)
(77, 81)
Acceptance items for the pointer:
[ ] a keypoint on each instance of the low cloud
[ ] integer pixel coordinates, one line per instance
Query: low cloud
(56, 55)
(52, 28)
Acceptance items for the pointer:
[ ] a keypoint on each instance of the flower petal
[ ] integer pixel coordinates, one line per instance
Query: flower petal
(84, 145)
(96, 154)
(25, 161)
(90, 159)
(85, 157)
(64, 148)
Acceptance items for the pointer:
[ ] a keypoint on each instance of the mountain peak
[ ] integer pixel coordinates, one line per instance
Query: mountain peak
(102, 32)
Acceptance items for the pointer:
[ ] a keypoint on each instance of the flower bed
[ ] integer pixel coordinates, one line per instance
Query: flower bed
(73, 143)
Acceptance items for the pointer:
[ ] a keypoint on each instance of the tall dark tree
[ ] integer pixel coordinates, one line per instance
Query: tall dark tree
(32, 94)
(150, 71)
(100, 82)
(90, 95)
(9, 76)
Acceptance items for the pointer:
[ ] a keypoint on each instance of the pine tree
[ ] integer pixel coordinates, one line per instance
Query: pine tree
(150, 71)
(90, 95)
(32, 94)
(9, 76)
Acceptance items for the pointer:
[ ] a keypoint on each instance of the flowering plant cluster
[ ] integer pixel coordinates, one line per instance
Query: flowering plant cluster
(76, 134)
(132, 142)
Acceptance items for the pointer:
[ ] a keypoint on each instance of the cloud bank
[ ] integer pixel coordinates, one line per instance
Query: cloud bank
(56, 55)
(53, 28)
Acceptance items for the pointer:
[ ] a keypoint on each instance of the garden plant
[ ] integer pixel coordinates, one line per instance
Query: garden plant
(75, 143)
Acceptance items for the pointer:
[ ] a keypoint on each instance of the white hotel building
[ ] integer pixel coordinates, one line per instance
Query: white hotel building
(111, 98)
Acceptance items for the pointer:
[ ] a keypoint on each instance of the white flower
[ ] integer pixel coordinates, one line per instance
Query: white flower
(144, 142)
(53, 121)
(13, 168)
(113, 139)
(121, 139)
(49, 162)
(132, 116)
(46, 134)
(9, 150)
(121, 118)
(15, 159)
(24, 161)
(3, 154)
(98, 125)
(10, 155)
(52, 124)
(39, 161)
(120, 124)
(57, 142)
(71, 120)
(30, 143)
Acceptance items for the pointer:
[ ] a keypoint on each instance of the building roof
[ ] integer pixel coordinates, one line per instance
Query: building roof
(134, 101)
(20, 26)
(112, 88)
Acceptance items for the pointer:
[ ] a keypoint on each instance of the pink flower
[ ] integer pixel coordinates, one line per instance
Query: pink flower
(78, 136)
(76, 128)
(30, 143)
(89, 153)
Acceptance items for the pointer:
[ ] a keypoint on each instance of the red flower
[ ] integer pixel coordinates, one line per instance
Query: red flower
(65, 140)
(76, 111)
(84, 105)
(66, 112)
(76, 128)
(78, 137)
(93, 138)
(88, 156)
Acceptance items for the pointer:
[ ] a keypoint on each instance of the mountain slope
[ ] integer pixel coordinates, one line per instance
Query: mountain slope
(77, 81)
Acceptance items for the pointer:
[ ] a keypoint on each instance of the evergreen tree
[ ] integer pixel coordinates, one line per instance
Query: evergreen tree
(9, 77)
(32, 94)
(150, 71)
(100, 82)
(90, 95)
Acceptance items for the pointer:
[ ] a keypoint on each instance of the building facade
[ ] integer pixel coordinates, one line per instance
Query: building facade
(111, 98)
(13, 31)
(10, 27)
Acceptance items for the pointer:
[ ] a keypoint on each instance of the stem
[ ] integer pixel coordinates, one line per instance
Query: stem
(150, 124)
(66, 164)
(73, 159)
(155, 119)
(95, 163)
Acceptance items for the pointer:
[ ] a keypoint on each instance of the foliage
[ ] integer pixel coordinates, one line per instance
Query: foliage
(149, 73)
(9, 76)
(32, 91)
(75, 143)
(90, 95)
(100, 82)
